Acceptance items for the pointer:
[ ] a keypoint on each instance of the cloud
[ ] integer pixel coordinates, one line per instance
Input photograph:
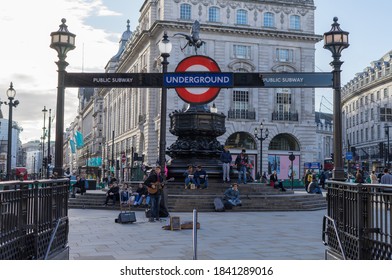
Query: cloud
(29, 62)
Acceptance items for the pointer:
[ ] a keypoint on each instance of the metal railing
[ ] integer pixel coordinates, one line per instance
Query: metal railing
(284, 116)
(34, 219)
(358, 224)
(241, 114)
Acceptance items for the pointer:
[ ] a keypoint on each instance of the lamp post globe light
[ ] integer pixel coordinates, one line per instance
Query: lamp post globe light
(62, 41)
(336, 40)
(11, 93)
(261, 138)
(165, 48)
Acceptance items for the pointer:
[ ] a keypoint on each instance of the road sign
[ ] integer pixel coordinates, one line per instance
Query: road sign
(349, 156)
(198, 63)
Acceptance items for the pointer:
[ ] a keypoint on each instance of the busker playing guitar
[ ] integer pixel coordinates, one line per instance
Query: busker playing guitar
(154, 184)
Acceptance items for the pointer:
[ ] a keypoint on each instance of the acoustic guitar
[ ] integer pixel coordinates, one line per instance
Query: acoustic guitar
(153, 189)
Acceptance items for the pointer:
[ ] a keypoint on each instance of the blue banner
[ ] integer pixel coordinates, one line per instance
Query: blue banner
(79, 139)
(72, 145)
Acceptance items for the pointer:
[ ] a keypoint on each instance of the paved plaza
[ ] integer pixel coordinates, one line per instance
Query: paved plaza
(222, 236)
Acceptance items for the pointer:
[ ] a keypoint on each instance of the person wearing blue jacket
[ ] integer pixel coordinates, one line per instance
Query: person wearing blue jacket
(232, 195)
(226, 159)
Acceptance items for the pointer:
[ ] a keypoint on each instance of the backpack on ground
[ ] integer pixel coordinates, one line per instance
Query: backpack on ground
(218, 204)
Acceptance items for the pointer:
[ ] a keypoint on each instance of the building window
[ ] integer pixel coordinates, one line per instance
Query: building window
(242, 17)
(378, 132)
(241, 51)
(367, 134)
(214, 14)
(295, 22)
(283, 100)
(378, 95)
(386, 114)
(284, 55)
(240, 100)
(385, 92)
(185, 11)
(269, 20)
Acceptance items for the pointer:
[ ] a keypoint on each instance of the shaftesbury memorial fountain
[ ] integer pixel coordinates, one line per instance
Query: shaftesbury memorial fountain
(197, 127)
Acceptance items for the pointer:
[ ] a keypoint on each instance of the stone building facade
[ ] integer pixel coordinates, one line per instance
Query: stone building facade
(241, 36)
(367, 115)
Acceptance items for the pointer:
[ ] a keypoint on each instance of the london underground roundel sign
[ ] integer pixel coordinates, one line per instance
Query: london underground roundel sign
(197, 63)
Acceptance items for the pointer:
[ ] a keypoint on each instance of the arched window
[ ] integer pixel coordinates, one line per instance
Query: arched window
(284, 142)
(185, 11)
(214, 14)
(269, 20)
(295, 22)
(241, 140)
(242, 17)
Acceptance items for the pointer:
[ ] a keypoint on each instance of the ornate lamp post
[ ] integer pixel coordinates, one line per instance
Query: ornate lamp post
(336, 40)
(387, 165)
(43, 144)
(165, 48)
(261, 138)
(49, 155)
(11, 103)
(62, 41)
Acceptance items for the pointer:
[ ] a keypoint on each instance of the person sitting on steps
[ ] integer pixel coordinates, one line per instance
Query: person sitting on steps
(313, 187)
(232, 195)
(79, 186)
(141, 194)
(201, 178)
(113, 193)
(189, 175)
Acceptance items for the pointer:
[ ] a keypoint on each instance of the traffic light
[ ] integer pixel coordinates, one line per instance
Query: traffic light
(44, 162)
(50, 159)
(332, 156)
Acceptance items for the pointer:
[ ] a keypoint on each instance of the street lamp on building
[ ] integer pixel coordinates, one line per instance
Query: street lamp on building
(165, 48)
(11, 103)
(62, 41)
(336, 40)
(261, 138)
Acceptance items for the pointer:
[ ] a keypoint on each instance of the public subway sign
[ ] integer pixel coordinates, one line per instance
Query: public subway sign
(297, 80)
(114, 80)
(199, 79)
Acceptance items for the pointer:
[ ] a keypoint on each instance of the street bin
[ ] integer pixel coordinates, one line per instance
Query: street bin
(91, 184)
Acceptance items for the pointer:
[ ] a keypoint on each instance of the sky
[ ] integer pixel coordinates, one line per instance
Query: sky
(27, 60)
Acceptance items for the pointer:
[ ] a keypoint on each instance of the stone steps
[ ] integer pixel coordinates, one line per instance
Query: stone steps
(255, 197)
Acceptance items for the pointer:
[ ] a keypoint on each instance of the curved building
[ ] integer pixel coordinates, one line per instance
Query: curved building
(367, 116)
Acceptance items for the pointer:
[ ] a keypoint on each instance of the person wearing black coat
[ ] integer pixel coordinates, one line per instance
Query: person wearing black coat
(152, 182)
(113, 193)
(275, 182)
(79, 186)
